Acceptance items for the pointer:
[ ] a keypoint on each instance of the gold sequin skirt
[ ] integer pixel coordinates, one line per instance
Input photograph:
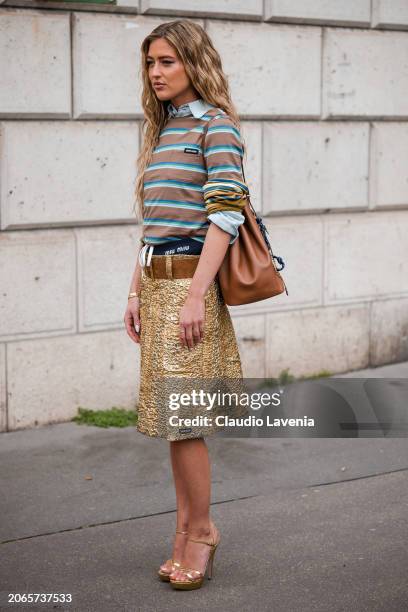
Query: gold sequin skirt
(165, 364)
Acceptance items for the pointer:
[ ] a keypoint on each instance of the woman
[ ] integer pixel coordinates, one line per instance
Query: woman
(191, 195)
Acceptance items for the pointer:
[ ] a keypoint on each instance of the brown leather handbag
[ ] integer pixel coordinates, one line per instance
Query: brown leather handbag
(248, 272)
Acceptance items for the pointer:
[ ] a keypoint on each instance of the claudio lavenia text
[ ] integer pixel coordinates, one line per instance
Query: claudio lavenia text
(248, 421)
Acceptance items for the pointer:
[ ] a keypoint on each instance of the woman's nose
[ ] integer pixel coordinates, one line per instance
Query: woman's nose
(155, 71)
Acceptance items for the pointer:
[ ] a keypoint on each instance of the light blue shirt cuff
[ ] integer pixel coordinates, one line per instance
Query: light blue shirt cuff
(229, 221)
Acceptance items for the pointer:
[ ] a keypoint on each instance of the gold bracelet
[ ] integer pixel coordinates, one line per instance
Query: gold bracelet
(134, 294)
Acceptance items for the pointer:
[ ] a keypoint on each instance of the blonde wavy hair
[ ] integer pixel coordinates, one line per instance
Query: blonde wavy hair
(203, 67)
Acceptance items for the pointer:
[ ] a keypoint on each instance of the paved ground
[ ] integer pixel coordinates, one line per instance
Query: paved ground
(306, 524)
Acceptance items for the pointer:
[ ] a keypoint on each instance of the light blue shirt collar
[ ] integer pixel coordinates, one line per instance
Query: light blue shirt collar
(197, 108)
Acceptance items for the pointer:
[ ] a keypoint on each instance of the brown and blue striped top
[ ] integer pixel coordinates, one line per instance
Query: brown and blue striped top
(193, 175)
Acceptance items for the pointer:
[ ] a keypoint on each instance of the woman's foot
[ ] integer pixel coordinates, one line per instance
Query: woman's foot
(179, 545)
(196, 554)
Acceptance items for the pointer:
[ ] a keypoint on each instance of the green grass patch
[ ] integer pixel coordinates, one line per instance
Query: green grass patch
(285, 378)
(114, 417)
(320, 374)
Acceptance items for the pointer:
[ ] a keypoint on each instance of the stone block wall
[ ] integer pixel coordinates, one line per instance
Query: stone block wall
(322, 91)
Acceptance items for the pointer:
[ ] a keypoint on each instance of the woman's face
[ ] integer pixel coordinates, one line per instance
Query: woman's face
(165, 67)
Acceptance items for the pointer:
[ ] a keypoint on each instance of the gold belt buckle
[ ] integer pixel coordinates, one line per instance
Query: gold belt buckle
(169, 268)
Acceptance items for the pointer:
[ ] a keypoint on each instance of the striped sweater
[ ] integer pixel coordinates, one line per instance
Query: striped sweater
(193, 177)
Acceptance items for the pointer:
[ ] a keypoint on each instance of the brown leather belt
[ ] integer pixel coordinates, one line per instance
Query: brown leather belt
(171, 266)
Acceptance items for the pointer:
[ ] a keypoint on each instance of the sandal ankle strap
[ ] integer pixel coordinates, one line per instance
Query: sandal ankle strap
(201, 542)
(179, 531)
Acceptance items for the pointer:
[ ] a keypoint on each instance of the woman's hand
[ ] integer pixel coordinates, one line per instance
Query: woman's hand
(132, 319)
(192, 315)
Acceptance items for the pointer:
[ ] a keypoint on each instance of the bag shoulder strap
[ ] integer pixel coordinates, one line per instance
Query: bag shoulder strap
(207, 124)
(258, 218)
(242, 163)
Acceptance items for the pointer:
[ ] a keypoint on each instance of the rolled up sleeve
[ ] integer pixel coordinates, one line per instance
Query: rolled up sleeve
(225, 189)
(229, 221)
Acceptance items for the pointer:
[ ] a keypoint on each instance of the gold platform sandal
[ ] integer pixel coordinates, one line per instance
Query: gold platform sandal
(165, 576)
(196, 577)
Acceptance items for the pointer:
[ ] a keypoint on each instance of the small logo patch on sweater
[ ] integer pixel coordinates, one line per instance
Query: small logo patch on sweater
(191, 150)
(185, 430)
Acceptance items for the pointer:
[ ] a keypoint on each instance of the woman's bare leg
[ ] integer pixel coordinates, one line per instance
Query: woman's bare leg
(193, 466)
(182, 511)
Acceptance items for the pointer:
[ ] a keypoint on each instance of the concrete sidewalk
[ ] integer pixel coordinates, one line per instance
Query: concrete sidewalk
(306, 524)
